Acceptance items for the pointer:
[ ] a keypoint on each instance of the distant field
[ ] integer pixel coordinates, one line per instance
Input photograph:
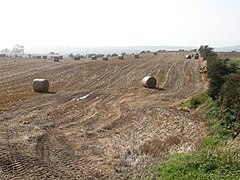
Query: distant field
(230, 55)
(233, 56)
(98, 122)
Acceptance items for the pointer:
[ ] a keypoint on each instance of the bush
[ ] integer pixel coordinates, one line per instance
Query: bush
(230, 103)
(207, 53)
(216, 71)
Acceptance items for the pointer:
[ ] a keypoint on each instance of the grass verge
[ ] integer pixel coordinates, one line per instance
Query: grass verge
(201, 165)
(215, 159)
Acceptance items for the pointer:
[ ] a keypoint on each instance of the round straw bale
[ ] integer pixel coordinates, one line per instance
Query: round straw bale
(2, 55)
(94, 57)
(105, 58)
(188, 56)
(136, 55)
(40, 85)
(149, 82)
(56, 58)
(196, 56)
(76, 58)
(120, 57)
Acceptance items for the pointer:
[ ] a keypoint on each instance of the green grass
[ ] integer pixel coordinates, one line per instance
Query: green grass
(196, 101)
(200, 165)
(214, 160)
(217, 134)
(236, 61)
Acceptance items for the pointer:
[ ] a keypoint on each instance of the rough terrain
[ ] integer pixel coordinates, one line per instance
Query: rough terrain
(97, 121)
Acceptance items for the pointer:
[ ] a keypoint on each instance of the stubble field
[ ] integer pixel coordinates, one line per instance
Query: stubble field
(97, 121)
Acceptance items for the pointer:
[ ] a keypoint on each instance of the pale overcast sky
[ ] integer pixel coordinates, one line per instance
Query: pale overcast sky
(85, 23)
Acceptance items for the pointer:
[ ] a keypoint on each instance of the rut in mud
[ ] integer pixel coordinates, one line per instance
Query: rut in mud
(98, 121)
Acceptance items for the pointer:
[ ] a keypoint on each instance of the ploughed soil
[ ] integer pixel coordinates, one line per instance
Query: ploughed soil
(97, 121)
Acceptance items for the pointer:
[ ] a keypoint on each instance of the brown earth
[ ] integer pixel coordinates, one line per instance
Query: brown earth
(98, 121)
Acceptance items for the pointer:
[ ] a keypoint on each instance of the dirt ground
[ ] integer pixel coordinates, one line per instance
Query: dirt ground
(97, 121)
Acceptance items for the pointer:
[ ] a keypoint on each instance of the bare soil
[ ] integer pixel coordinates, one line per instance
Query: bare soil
(97, 121)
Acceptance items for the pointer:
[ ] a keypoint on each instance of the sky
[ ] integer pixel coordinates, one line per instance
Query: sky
(98, 23)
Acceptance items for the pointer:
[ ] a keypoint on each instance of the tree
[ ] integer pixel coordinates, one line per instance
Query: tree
(207, 52)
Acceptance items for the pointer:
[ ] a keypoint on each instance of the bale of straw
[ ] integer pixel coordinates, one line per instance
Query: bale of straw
(105, 58)
(56, 58)
(60, 57)
(188, 56)
(136, 55)
(94, 57)
(196, 56)
(44, 57)
(40, 85)
(2, 55)
(155, 53)
(120, 57)
(149, 82)
(76, 58)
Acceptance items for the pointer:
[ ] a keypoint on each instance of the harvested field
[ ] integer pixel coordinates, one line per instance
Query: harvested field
(98, 121)
(229, 55)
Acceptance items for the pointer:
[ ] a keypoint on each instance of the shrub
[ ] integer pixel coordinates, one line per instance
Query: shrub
(230, 103)
(216, 71)
(207, 52)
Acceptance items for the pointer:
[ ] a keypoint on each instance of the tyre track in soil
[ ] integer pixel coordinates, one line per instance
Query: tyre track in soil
(120, 127)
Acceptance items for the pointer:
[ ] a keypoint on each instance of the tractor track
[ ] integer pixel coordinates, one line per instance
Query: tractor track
(98, 122)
